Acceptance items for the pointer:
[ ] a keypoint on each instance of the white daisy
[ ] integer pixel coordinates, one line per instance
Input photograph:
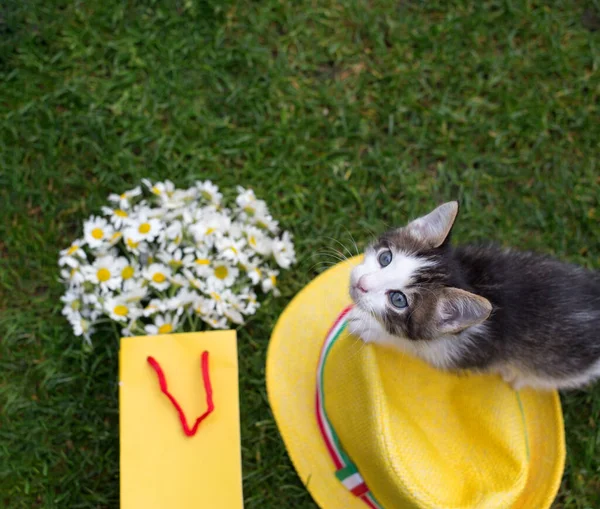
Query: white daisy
(255, 211)
(143, 228)
(177, 259)
(283, 251)
(202, 262)
(233, 308)
(203, 306)
(127, 331)
(73, 256)
(135, 291)
(179, 280)
(209, 192)
(264, 220)
(258, 241)
(185, 297)
(165, 188)
(81, 327)
(158, 276)
(172, 236)
(129, 270)
(73, 303)
(97, 232)
(217, 296)
(105, 272)
(193, 281)
(154, 306)
(208, 226)
(163, 324)
(253, 271)
(73, 276)
(269, 281)
(118, 217)
(251, 302)
(120, 309)
(216, 322)
(230, 248)
(223, 274)
(124, 200)
(246, 199)
(133, 246)
(177, 199)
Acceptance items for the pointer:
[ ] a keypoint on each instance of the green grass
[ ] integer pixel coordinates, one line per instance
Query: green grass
(344, 116)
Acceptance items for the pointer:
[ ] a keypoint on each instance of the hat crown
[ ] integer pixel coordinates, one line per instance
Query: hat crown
(425, 439)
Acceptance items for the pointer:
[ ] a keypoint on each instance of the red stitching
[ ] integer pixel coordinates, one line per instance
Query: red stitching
(207, 387)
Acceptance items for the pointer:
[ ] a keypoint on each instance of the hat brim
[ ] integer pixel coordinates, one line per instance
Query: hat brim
(292, 360)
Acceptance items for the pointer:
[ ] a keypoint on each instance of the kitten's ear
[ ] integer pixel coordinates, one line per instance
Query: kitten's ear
(435, 227)
(458, 309)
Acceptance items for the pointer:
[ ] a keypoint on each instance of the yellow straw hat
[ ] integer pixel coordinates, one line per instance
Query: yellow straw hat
(367, 426)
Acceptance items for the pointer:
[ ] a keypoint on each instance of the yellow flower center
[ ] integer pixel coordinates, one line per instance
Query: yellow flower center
(144, 228)
(165, 328)
(252, 240)
(235, 251)
(206, 195)
(120, 310)
(273, 280)
(103, 275)
(159, 277)
(123, 196)
(221, 272)
(72, 249)
(202, 261)
(127, 272)
(98, 233)
(249, 210)
(262, 225)
(116, 235)
(132, 244)
(258, 272)
(156, 190)
(120, 213)
(215, 296)
(209, 231)
(75, 305)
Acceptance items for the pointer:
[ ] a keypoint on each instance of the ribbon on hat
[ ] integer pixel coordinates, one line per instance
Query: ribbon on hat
(346, 471)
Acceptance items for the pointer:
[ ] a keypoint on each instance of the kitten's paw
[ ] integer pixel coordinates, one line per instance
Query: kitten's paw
(364, 326)
(512, 377)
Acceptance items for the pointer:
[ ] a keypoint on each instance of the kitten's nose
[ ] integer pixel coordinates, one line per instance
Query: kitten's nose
(361, 285)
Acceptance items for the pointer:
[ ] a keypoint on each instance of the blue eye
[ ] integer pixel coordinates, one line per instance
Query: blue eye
(398, 300)
(385, 258)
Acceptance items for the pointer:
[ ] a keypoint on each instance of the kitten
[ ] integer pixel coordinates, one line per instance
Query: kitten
(530, 318)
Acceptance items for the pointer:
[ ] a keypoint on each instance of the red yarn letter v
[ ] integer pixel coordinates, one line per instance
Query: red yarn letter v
(207, 388)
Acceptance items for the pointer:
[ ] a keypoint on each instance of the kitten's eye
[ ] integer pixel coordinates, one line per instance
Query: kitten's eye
(385, 258)
(398, 300)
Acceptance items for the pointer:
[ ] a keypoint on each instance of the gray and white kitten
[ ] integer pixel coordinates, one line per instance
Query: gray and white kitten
(530, 318)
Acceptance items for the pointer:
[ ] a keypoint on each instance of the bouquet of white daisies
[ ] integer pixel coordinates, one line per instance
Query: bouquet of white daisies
(161, 259)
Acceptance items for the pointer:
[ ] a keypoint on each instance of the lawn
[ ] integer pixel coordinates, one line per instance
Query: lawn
(345, 116)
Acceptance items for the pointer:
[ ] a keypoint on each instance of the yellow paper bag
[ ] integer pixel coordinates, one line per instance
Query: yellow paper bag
(161, 467)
